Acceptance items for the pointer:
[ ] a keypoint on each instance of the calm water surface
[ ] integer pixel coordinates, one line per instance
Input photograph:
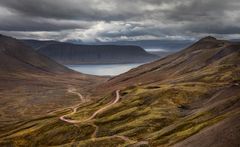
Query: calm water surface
(103, 70)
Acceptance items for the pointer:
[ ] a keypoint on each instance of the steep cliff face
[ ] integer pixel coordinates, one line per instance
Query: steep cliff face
(66, 53)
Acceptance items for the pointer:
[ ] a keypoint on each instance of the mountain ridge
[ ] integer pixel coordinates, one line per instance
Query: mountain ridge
(70, 54)
(26, 56)
(197, 53)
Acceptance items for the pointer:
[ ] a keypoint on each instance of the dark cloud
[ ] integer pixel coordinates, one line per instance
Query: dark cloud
(106, 20)
(28, 24)
(68, 9)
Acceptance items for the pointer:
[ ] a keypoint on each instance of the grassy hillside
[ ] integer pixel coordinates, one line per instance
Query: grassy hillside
(160, 114)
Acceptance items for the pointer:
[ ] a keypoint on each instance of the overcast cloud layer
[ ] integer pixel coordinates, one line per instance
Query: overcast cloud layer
(120, 20)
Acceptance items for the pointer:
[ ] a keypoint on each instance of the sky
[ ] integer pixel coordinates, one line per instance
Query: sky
(92, 21)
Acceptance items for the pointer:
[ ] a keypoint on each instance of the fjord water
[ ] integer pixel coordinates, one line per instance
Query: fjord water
(104, 69)
(113, 69)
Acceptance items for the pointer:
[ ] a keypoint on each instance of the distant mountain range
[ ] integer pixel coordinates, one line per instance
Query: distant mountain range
(70, 54)
(170, 45)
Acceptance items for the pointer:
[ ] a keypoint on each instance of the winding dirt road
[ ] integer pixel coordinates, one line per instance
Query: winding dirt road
(117, 98)
(74, 91)
(93, 115)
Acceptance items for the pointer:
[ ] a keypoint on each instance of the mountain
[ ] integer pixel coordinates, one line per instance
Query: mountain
(17, 57)
(191, 98)
(32, 84)
(70, 54)
(36, 44)
(170, 45)
(188, 99)
(207, 53)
